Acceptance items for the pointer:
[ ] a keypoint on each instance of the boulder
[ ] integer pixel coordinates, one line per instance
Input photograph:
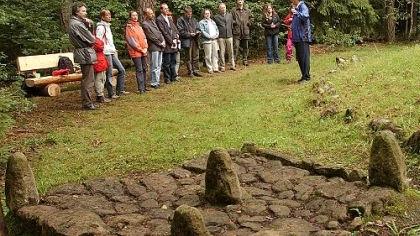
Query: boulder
(188, 221)
(222, 183)
(74, 222)
(386, 165)
(20, 183)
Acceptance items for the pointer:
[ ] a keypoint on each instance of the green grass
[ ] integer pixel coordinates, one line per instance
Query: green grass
(261, 104)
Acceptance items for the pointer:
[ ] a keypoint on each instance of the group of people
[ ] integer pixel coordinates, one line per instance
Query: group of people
(157, 42)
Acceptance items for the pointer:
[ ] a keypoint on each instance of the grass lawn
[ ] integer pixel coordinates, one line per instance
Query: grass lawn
(261, 104)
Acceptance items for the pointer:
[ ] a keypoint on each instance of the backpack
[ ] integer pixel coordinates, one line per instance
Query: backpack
(65, 63)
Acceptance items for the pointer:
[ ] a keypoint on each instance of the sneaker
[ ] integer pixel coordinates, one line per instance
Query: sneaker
(233, 68)
(216, 71)
(123, 93)
(115, 96)
(155, 86)
(222, 69)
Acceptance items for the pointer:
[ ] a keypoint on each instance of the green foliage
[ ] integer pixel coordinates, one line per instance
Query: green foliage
(11, 100)
(335, 37)
(348, 18)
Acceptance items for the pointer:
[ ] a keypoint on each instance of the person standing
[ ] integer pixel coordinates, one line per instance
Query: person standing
(103, 32)
(210, 33)
(170, 33)
(271, 24)
(224, 22)
(241, 32)
(289, 44)
(301, 30)
(100, 68)
(82, 40)
(137, 48)
(189, 34)
(156, 44)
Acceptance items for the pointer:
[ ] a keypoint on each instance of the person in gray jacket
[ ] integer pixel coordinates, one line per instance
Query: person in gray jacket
(82, 40)
(224, 22)
(241, 32)
(156, 44)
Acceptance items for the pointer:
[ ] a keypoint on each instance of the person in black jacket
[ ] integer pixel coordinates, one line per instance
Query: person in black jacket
(224, 22)
(171, 35)
(189, 34)
(271, 23)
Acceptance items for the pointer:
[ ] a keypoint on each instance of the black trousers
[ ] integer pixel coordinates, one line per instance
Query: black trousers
(169, 66)
(303, 59)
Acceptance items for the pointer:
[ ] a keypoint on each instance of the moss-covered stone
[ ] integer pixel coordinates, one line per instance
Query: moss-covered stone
(413, 143)
(249, 148)
(20, 183)
(386, 165)
(188, 221)
(222, 183)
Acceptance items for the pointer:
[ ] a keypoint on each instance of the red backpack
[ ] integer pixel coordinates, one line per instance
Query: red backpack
(101, 62)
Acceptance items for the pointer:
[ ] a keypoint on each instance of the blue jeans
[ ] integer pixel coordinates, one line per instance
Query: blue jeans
(155, 67)
(113, 61)
(272, 42)
(169, 66)
(140, 63)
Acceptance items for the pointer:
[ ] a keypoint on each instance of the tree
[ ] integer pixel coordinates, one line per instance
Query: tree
(143, 4)
(390, 19)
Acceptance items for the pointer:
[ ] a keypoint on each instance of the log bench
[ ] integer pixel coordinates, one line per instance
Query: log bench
(47, 85)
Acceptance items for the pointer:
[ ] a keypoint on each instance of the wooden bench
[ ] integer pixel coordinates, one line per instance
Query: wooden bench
(47, 85)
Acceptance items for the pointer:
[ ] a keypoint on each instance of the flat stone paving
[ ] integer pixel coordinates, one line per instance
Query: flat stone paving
(283, 198)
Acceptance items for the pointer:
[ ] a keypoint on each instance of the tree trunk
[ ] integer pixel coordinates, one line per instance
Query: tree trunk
(143, 4)
(66, 13)
(390, 19)
(51, 90)
(413, 20)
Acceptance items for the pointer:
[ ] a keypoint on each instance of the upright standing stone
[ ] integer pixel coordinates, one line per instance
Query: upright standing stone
(3, 228)
(386, 165)
(188, 221)
(222, 183)
(20, 183)
(413, 143)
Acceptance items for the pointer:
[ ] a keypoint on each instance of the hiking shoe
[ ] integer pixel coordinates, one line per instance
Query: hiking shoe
(89, 107)
(197, 74)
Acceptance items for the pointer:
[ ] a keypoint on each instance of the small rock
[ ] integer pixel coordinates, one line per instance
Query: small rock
(333, 225)
(249, 148)
(280, 211)
(356, 223)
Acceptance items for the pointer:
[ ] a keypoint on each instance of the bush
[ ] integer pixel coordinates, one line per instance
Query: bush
(12, 100)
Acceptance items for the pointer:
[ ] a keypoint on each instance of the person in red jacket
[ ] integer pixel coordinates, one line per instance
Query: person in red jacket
(100, 68)
(137, 48)
(289, 44)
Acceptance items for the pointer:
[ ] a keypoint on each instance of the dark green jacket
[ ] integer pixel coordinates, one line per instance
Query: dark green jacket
(241, 23)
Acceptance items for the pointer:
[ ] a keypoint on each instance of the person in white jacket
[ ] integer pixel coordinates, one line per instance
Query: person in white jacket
(103, 32)
(209, 35)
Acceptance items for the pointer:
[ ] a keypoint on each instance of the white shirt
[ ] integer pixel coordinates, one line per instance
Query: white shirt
(212, 29)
